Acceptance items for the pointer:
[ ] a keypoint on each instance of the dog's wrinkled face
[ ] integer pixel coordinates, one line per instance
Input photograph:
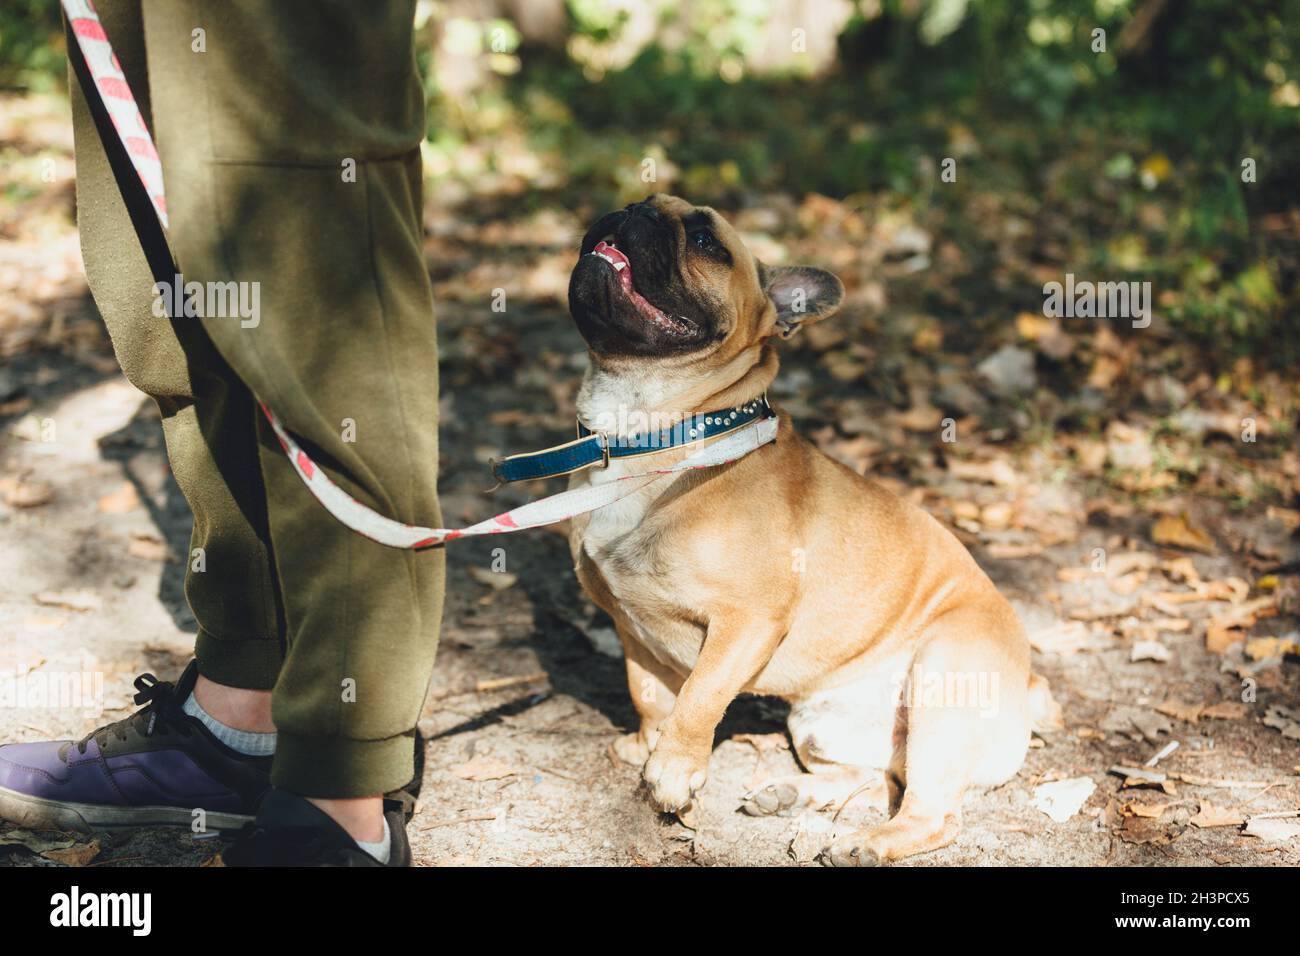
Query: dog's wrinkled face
(664, 278)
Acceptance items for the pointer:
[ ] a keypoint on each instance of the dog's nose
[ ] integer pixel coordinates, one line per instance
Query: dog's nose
(644, 208)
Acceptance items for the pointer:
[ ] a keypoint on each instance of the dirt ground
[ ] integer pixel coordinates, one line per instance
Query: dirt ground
(1151, 553)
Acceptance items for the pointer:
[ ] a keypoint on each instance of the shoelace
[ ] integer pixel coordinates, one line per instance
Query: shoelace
(161, 709)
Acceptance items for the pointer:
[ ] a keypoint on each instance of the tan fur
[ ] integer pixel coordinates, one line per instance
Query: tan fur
(787, 574)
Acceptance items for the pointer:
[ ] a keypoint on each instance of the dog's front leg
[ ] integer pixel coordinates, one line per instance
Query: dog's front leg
(736, 647)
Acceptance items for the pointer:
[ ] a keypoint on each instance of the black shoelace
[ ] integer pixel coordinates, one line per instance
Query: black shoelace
(161, 712)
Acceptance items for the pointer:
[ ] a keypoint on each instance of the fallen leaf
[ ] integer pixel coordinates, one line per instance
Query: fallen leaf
(1135, 808)
(118, 502)
(921, 417)
(1145, 830)
(1062, 799)
(28, 494)
(1061, 637)
(483, 767)
(1272, 830)
(148, 546)
(1151, 725)
(1283, 719)
(995, 472)
(497, 580)
(1149, 651)
(1188, 712)
(1178, 532)
(1263, 648)
(41, 842)
(1006, 551)
(1046, 334)
(78, 600)
(1224, 631)
(1128, 447)
(78, 854)
(1225, 710)
(1212, 816)
(1142, 777)
(1181, 569)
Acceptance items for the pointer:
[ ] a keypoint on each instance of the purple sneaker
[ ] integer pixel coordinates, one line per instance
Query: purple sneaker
(153, 768)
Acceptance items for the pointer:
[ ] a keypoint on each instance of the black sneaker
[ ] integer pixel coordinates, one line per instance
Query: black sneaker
(290, 831)
(154, 768)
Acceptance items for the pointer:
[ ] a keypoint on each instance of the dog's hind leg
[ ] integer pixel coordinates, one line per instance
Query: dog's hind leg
(843, 739)
(967, 725)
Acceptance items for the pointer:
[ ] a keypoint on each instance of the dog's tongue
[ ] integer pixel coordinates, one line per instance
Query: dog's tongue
(615, 258)
(623, 268)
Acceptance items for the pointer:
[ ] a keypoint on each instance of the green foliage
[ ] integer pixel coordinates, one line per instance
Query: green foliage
(31, 44)
(1137, 133)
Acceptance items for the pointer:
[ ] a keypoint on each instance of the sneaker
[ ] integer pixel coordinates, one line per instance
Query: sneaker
(153, 768)
(291, 831)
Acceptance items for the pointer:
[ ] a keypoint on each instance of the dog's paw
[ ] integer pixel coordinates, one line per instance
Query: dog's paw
(778, 796)
(850, 850)
(632, 749)
(673, 778)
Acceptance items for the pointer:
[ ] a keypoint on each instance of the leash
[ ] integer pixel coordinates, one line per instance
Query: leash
(738, 431)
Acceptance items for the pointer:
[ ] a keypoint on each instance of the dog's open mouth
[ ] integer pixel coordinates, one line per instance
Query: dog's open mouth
(677, 325)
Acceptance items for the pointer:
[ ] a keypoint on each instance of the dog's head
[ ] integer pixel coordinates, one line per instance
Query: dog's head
(666, 280)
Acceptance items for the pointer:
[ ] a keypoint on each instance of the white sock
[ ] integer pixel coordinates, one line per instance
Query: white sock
(382, 848)
(246, 742)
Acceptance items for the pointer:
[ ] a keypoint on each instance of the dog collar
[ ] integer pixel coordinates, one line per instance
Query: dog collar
(598, 448)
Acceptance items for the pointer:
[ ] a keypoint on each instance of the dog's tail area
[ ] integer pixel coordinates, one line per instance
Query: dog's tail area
(1044, 711)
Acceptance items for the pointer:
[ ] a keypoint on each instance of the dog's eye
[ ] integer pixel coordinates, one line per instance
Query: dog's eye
(703, 239)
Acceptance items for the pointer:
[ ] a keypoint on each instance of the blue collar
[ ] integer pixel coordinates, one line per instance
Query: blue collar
(597, 448)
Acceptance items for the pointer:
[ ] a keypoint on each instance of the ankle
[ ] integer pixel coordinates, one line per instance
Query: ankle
(248, 710)
(362, 817)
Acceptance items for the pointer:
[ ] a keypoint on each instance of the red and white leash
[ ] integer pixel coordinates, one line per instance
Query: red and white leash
(125, 113)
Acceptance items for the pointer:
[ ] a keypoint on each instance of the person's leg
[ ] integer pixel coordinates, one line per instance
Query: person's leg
(172, 758)
(208, 415)
(289, 135)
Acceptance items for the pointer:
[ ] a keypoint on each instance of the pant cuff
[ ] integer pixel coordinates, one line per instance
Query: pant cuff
(336, 768)
(250, 664)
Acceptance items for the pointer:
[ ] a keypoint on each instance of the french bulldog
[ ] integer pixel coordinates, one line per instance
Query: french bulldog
(782, 573)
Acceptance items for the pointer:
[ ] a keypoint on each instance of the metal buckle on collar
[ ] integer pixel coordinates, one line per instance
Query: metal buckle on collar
(604, 447)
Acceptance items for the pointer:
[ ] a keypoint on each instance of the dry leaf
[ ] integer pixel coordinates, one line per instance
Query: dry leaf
(41, 842)
(1272, 830)
(78, 600)
(1062, 799)
(497, 580)
(1151, 810)
(1225, 710)
(995, 472)
(148, 546)
(1212, 816)
(921, 418)
(1148, 651)
(1146, 830)
(1263, 648)
(1178, 532)
(1224, 631)
(1283, 719)
(483, 767)
(1181, 569)
(28, 494)
(78, 854)
(1188, 712)
(1143, 777)
(121, 501)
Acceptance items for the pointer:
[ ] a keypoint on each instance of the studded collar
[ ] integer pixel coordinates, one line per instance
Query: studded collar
(599, 448)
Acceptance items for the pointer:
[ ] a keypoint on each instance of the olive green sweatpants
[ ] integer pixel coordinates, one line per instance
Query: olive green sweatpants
(289, 135)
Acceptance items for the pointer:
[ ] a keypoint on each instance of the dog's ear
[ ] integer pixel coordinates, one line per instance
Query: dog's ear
(802, 295)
